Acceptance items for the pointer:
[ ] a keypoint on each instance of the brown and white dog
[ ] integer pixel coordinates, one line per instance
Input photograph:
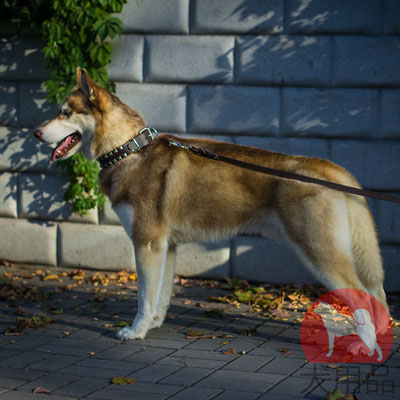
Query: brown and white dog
(164, 196)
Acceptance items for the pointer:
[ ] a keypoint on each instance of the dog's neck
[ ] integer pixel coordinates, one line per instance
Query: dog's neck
(145, 136)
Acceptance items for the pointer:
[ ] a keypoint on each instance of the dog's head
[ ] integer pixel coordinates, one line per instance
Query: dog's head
(86, 117)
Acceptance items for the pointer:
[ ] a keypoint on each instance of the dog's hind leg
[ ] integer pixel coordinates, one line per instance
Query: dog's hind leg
(319, 230)
(367, 258)
(150, 264)
(166, 288)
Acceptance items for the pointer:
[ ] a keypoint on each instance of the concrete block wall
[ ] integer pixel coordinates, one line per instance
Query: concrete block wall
(317, 77)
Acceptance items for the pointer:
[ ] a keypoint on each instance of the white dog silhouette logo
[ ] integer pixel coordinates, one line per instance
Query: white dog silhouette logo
(346, 325)
(338, 325)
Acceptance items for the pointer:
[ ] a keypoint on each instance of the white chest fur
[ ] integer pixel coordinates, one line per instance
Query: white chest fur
(125, 214)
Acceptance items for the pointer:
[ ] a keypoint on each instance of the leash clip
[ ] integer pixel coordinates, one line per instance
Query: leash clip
(176, 144)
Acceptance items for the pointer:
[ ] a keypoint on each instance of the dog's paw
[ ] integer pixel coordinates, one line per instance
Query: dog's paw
(129, 333)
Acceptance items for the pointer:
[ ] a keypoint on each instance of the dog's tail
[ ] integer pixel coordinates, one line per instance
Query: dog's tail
(366, 253)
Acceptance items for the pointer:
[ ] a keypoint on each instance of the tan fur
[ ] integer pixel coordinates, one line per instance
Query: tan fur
(178, 197)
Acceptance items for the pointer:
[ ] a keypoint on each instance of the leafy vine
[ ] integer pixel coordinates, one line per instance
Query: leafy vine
(75, 32)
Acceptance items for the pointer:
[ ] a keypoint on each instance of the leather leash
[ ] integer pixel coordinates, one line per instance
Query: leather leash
(288, 175)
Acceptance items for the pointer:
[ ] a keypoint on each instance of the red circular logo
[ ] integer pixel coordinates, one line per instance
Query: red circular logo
(346, 325)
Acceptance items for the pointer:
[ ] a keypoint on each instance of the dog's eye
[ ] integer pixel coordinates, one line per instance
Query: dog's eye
(66, 113)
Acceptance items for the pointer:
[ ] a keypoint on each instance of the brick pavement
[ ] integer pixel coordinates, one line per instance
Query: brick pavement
(77, 356)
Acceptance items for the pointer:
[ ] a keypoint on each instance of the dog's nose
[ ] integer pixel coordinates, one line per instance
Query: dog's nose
(38, 133)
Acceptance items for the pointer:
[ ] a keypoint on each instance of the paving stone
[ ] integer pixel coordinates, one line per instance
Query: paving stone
(16, 395)
(127, 58)
(240, 381)
(137, 17)
(293, 386)
(82, 387)
(234, 110)
(34, 107)
(29, 343)
(148, 355)
(92, 372)
(206, 59)
(248, 17)
(23, 360)
(111, 394)
(348, 113)
(129, 367)
(230, 394)
(142, 387)
(8, 103)
(366, 61)
(164, 343)
(203, 259)
(282, 366)
(259, 60)
(54, 363)
(241, 344)
(205, 344)
(205, 355)
(41, 196)
(80, 243)
(249, 363)
(22, 58)
(51, 382)
(65, 350)
(187, 376)
(119, 352)
(154, 373)
(195, 393)
(8, 353)
(191, 362)
(163, 106)
(10, 383)
(327, 17)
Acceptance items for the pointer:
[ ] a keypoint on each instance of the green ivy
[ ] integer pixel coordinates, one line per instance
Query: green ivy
(75, 33)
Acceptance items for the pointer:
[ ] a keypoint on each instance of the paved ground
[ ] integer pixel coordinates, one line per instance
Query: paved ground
(57, 336)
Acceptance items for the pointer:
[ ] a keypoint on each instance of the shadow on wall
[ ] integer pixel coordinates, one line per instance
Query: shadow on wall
(265, 64)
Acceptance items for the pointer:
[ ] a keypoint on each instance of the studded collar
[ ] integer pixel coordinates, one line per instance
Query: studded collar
(144, 138)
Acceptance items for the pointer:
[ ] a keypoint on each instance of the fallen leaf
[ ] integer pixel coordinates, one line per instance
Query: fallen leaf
(41, 390)
(92, 353)
(117, 380)
(194, 333)
(51, 277)
(121, 324)
(229, 351)
(335, 395)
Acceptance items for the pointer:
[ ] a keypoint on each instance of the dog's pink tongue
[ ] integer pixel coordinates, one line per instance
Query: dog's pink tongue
(60, 150)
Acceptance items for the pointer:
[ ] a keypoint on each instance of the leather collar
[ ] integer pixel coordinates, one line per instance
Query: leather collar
(144, 138)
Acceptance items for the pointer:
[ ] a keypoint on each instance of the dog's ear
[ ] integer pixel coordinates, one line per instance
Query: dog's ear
(78, 77)
(87, 86)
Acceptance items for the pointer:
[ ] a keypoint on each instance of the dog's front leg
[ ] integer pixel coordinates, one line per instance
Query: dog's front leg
(165, 289)
(150, 265)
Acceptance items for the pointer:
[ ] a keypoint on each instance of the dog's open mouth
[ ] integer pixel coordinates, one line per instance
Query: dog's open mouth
(65, 146)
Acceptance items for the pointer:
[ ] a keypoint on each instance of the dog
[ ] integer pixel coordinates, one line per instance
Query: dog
(337, 324)
(165, 195)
